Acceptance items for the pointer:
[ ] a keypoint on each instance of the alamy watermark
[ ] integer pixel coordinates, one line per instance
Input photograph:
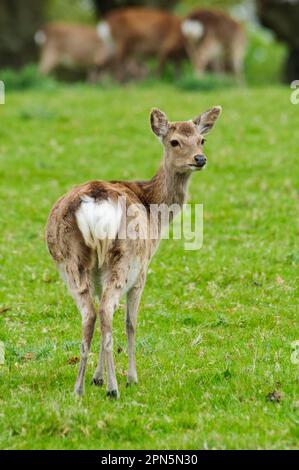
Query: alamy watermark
(295, 94)
(124, 220)
(2, 92)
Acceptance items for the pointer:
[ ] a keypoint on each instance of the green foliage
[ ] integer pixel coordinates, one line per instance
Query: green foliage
(26, 78)
(187, 5)
(208, 82)
(81, 11)
(215, 325)
(265, 57)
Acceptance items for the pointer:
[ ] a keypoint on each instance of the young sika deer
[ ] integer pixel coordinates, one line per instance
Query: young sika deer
(83, 238)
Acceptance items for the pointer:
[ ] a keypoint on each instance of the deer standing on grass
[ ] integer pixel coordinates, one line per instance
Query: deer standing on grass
(214, 41)
(83, 238)
(74, 47)
(138, 33)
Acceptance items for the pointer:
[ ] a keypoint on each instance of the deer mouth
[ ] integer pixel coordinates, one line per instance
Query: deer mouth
(196, 167)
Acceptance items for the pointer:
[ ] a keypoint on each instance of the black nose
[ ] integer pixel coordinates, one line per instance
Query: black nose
(201, 160)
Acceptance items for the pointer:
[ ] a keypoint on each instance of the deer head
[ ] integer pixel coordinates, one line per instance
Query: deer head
(184, 141)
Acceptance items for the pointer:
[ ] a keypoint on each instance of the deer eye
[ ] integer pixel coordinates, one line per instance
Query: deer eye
(203, 141)
(174, 143)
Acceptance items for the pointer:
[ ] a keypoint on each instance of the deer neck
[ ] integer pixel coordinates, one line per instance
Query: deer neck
(167, 186)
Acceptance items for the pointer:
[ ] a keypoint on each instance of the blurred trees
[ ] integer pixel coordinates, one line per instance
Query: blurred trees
(103, 6)
(19, 20)
(283, 18)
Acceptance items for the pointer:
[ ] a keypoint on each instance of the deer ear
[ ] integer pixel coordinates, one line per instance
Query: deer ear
(159, 122)
(206, 120)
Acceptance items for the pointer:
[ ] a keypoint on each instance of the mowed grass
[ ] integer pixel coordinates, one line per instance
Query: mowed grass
(215, 325)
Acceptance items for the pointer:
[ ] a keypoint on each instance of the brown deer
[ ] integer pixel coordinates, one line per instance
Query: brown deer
(214, 41)
(139, 33)
(84, 238)
(74, 47)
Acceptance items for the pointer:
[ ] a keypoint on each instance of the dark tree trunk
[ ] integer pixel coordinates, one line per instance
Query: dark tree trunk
(19, 20)
(103, 6)
(282, 17)
(292, 66)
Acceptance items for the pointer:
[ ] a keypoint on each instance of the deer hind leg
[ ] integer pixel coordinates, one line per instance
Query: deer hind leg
(164, 57)
(112, 290)
(203, 54)
(109, 303)
(133, 301)
(217, 65)
(98, 377)
(236, 59)
(79, 284)
(120, 62)
(113, 286)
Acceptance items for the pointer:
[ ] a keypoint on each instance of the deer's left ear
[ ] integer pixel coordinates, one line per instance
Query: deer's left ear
(206, 120)
(159, 122)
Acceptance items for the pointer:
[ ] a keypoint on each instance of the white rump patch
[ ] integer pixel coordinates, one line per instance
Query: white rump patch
(98, 220)
(98, 223)
(104, 33)
(40, 38)
(192, 29)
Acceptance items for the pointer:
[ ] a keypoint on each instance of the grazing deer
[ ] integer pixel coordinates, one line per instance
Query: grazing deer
(214, 41)
(73, 47)
(138, 33)
(83, 237)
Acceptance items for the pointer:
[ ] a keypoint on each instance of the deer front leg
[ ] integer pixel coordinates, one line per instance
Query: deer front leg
(133, 301)
(49, 60)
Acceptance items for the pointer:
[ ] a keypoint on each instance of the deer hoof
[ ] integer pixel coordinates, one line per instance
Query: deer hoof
(97, 382)
(113, 394)
(79, 391)
(131, 381)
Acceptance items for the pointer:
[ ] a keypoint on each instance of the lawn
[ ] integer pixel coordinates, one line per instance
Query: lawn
(215, 325)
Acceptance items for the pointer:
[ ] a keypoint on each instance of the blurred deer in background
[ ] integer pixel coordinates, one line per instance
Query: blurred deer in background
(214, 41)
(83, 237)
(139, 33)
(72, 47)
(122, 42)
(118, 44)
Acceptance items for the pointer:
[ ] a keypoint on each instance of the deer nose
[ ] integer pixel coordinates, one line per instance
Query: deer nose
(201, 160)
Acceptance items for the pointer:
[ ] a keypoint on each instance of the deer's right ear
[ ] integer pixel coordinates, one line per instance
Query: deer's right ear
(159, 122)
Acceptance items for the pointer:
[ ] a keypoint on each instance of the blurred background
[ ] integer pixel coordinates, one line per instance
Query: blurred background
(270, 54)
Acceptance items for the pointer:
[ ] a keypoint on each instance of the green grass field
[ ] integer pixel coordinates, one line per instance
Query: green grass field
(215, 325)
